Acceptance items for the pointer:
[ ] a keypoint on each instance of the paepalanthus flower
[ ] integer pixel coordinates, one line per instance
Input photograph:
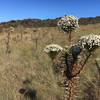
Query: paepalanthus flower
(52, 50)
(68, 23)
(11, 29)
(90, 42)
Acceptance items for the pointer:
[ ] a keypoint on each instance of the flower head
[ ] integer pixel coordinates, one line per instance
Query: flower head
(90, 42)
(11, 29)
(68, 23)
(52, 50)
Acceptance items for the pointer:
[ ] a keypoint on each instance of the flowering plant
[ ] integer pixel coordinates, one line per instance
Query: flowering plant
(11, 29)
(90, 42)
(52, 50)
(68, 23)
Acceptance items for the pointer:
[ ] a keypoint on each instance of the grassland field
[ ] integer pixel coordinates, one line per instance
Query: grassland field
(27, 61)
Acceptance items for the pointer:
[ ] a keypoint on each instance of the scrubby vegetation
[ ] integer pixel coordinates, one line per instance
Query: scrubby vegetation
(29, 23)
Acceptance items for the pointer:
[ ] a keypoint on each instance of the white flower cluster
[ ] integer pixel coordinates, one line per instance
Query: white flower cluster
(11, 29)
(52, 48)
(68, 23)
(90, 41)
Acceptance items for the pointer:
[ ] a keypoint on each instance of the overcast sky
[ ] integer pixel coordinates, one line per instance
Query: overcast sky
(43, 9)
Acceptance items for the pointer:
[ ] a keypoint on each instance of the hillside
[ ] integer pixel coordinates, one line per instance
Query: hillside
(28, 23)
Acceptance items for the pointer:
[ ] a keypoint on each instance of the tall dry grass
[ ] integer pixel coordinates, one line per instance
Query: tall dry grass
(26, 62)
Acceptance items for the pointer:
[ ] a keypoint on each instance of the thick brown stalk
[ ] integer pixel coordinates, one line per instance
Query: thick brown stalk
(70, 37)
(69, 89)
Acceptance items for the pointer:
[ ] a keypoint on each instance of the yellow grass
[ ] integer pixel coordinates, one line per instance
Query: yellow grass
(28, 62)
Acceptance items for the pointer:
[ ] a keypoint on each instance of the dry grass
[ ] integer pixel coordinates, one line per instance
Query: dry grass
(28, 62)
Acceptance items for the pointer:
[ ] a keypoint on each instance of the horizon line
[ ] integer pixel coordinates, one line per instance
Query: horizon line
(19, 19)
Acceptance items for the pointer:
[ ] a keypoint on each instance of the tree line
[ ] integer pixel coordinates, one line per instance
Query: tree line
(29, 23)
